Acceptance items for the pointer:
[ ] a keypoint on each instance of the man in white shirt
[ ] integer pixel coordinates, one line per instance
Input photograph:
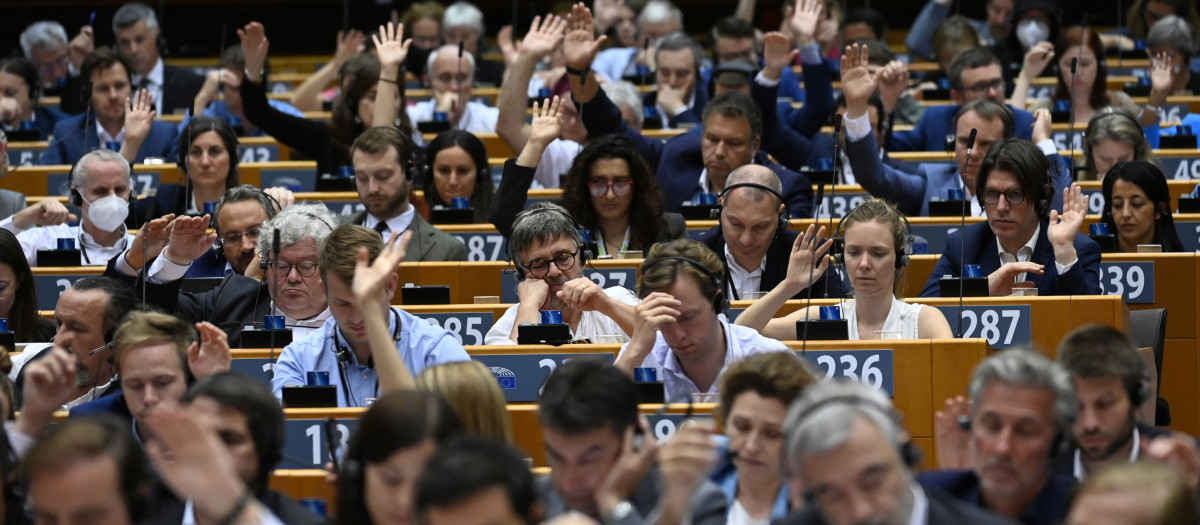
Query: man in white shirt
(453, 80)
(679, 329)
(383, 170)
(138, 37)
(549, 255)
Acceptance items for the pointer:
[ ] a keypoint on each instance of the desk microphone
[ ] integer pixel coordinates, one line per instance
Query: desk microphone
(962, 245)
(274, 305)
(643, 66)
(1071, 108)
(99, 348)
(837, 244)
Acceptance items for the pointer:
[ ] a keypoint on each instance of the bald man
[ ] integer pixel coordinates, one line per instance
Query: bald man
(752, 238)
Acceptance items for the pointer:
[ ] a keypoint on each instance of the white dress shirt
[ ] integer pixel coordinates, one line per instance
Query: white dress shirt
(742, 280)
(154, 85)
(1025, 253)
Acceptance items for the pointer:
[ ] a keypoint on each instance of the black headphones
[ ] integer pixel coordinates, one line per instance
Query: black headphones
(902, 257)
(343, 354)
(720, 303)
(585, 254)
(909, 453)
(784, 218)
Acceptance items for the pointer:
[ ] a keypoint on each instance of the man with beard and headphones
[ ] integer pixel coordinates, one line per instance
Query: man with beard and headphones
(549, 255)
(1022, 408)
(845, 447)
(753, 240)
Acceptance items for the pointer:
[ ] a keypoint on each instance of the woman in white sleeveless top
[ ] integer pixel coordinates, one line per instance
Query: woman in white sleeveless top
(875, 235)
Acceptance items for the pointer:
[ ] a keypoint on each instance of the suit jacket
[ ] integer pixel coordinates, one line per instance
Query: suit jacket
(678, 162)
(981, 249)
(428, 243)
(778, 256)
(180, 86)
(1064, 462)
(114, 405)
(11, 202)
(708, 506)
(790, 144)
(1049, 507)
(931, 131)
(943, 510)
(168, 509)
(73, 137)
(912, 191)
(689, 115)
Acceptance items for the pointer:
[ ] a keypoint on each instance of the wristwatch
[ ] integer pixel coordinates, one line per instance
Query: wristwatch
(618, 512)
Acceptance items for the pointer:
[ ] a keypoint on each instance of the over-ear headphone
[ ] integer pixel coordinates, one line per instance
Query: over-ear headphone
(720, 303)
(908, 452)
(785, 216)
(902, 257)
(585, 254)
(1057, 447)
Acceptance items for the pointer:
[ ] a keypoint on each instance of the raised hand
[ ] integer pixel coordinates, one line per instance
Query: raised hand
(949, 437)
(1162, 74)
(1041, 125)
(80, 46)
(544, 37)
(508, 48)
(893, 82)
(1065, 226)
(189, 239)
(371, 279)
(547, 121)
(254, 47)
(211, 355)
(858, 83)
(804, 20)
(140, 117)
(1037, 58)
(47, 212)
(580, 45)
(348, 45)
(391, 45)
(777, 54)
(150, 240)
(607, 12)
(806, 254)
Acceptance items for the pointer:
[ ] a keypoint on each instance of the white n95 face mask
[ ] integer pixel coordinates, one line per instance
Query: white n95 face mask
(108, 213)
(1032, 31)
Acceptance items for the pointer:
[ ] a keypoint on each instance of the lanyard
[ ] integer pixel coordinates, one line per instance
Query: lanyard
(624, 242)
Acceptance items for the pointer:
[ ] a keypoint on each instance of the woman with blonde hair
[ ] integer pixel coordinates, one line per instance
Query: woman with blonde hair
(473, 393)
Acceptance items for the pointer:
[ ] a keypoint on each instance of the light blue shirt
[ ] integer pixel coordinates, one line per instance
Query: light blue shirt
(421, 345)
(614, 63)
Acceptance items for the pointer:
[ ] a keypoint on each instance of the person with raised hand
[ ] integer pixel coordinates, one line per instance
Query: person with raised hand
(392, 49)
(138, 121)
(545, 37)
(308, 95)
(545, 125)
(369, 278)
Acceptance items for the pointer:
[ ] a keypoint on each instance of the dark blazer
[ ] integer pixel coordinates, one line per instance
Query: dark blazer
(428, 243)
(1064, 463)
(943, 510)
(778, 256)
(931, 131)
(912, 191)
(687, 116)
(788, 143)
(1049, 507)
(169, 198)
(168, 509)
(114, 405)
(73, 137)
(678, 162)
(980, 248)
(818, 101)
(309, 137)
(180, 86)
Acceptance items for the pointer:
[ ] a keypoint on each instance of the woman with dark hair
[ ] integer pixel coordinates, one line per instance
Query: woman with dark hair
(19, 94)
(609, 189)
(456, 165)
(384, 460)
(1137, 207)
(18, 295)
(353, 109)
(1085, 90)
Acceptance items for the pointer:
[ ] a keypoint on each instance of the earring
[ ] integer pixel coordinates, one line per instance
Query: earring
(357, 119)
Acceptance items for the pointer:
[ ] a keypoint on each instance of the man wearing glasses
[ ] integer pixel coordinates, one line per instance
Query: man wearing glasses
(548, 254)
(1023, 243)
(974, 74)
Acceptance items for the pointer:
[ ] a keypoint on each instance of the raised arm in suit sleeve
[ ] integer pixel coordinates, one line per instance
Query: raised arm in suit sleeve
(787, 146)
(601, 117)
(905, 189)
(307, 136)
(909, 140)
(920, 37)
(818, 100)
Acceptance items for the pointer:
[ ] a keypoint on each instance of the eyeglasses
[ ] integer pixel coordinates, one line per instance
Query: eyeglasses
(564, 261)
(983, 87)
(1014, 197)
(304, 268)
(619, 188)
(236, 237)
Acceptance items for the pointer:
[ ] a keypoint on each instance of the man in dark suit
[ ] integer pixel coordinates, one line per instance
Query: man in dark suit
(695, 162)
(1022, 408)
(752, 239)
(138, 38)
(1110, 382)
(103, 126)
(841, 434)
(1016, 247)
(678, 98)
(974, 74)
(383, 173)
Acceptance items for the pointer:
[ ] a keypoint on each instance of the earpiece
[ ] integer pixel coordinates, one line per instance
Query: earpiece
(908, 452)
(585, 254)
(902, 255)
(785, 218)
(720, 302)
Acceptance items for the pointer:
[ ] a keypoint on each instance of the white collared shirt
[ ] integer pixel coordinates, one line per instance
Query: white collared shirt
(740, 279)
(105, 137)
(46, 238)
(398, 224)
(1080, 473)
(920, 507)
(1025, 253)
(154, 85)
